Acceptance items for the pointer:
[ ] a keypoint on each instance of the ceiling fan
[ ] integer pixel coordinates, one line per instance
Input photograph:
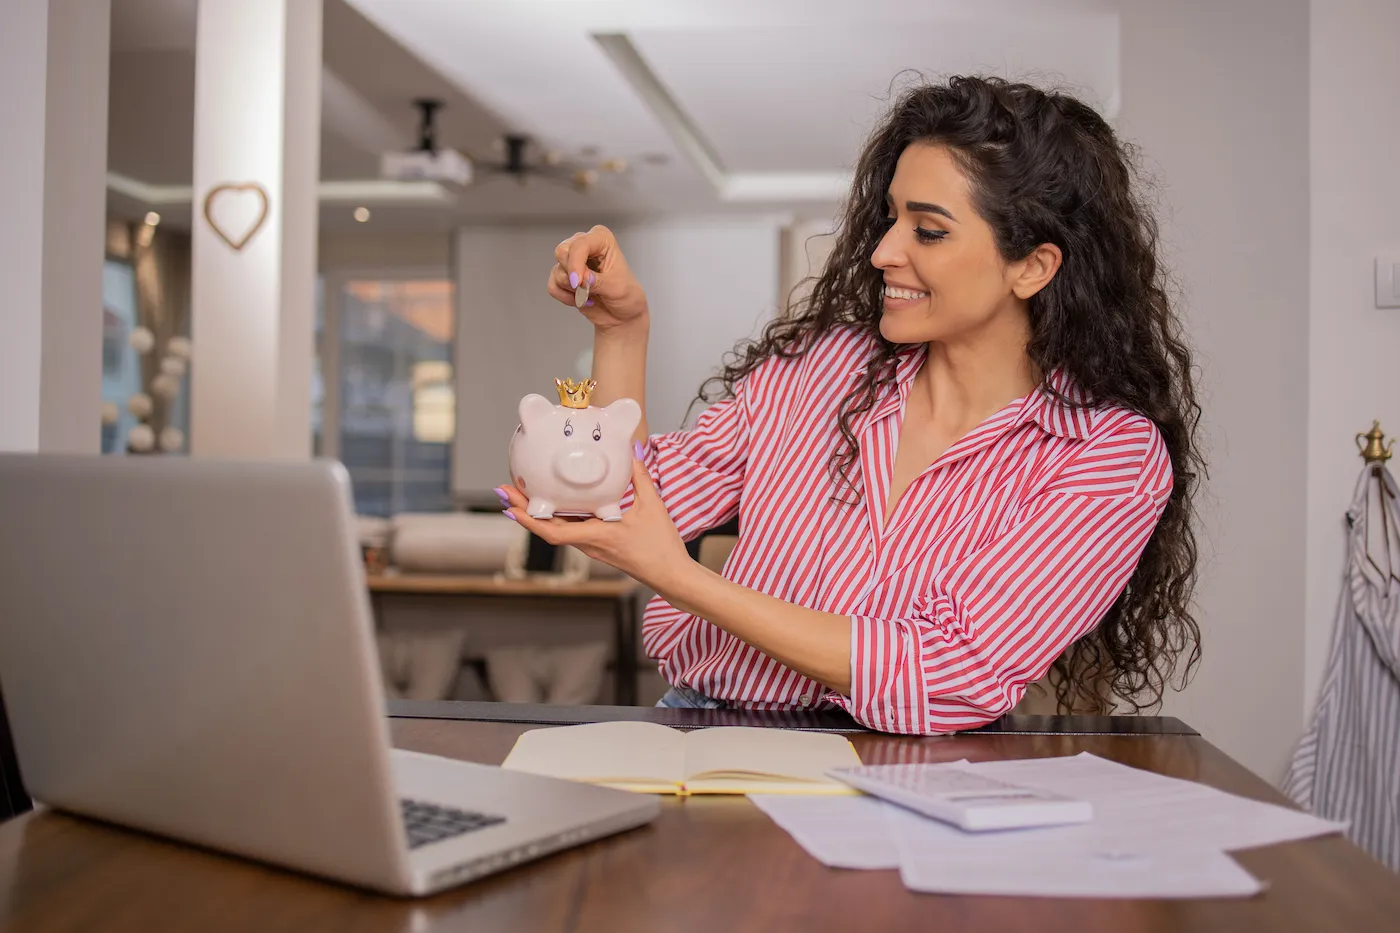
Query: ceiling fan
(522, 160)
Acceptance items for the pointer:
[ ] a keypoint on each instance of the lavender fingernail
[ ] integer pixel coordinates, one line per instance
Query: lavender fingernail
(505, 499)
(638, 449)
(592, 279)
(573, 280)
(510, 515)
(588, 302)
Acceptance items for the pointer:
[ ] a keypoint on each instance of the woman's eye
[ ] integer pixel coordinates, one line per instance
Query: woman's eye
(929, 236)
(597, 434)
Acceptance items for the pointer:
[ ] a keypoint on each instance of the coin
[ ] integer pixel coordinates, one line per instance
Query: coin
(580, 296)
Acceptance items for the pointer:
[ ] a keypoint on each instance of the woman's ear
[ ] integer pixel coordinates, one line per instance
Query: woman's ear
(1035, 271)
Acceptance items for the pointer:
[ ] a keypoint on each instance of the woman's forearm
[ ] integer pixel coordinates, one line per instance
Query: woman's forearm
(813, 643)
(620, 365)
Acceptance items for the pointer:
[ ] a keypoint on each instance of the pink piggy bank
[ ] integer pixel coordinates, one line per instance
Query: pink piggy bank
(572, 458)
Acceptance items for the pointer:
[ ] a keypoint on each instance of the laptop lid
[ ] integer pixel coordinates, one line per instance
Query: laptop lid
(186, 647)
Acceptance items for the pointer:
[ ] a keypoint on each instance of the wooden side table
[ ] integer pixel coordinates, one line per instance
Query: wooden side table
(621, 593)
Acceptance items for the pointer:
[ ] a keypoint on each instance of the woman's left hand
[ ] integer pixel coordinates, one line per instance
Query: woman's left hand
(644, 544)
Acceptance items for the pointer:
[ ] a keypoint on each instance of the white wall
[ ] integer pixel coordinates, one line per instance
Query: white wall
(709, 282)
(1219, 105)
(1354, 349)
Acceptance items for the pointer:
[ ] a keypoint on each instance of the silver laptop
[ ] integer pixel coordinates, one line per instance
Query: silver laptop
(186, 647)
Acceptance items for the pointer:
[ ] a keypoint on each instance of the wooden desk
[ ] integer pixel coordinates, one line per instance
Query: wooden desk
(707, 865)
(621, 593)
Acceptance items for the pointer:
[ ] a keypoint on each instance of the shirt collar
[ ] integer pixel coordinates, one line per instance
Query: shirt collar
(1058, 405)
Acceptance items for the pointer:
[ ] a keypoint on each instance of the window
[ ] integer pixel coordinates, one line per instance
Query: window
(383, 400)
(121, 367)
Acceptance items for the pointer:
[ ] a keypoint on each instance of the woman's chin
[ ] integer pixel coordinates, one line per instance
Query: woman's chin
(897, 331)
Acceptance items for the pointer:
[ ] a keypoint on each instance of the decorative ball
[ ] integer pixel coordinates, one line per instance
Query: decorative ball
(174, 366)
(172, 439)
(165, 386)
(141, 340)
(140, 438)
(178, 347)
(140, 405)
(111, 414)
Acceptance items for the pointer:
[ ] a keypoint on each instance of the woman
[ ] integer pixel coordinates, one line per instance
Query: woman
(967, 457)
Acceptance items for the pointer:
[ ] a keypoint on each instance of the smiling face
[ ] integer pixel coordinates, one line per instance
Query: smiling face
(945, 279)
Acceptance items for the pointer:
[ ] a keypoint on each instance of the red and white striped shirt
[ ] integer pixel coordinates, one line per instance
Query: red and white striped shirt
(1006, 549)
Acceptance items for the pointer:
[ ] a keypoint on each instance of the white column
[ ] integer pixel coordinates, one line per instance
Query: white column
(257, 122)
(53, 158)
(23, 64)
(75, 212)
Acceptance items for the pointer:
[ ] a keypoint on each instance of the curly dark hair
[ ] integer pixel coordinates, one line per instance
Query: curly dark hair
(1043, 168)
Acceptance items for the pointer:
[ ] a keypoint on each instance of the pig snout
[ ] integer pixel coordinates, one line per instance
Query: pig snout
(581, 466)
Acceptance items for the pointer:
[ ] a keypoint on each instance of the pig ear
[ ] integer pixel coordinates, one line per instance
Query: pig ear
(626, 412)
(534, 409)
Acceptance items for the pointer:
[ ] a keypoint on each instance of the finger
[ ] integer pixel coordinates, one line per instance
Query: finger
(643, 489)
(510, 496)
(560, 292)
(561, 252)
(554, 530)
(582, 249)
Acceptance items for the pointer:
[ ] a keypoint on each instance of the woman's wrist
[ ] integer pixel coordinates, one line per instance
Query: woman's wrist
(686, 585)
(628, 331)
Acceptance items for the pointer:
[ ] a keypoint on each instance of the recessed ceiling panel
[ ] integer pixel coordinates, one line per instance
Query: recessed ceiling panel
(803, 99)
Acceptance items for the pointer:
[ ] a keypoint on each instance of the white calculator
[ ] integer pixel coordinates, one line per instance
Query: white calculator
(964, 798)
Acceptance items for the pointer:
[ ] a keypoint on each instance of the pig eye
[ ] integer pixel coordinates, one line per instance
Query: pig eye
(597, 432)
(568, 429)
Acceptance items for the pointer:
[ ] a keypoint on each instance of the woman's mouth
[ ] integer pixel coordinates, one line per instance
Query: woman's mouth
(896, 298)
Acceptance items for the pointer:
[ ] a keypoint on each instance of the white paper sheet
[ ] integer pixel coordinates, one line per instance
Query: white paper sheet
(1136, 810)
(1151, 836)
(939, 859)
(839, 832)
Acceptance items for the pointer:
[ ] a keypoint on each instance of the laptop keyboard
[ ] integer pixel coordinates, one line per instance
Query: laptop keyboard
(429, 822)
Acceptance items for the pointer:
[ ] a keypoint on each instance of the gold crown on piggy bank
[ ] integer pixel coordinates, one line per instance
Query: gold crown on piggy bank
(574, 394)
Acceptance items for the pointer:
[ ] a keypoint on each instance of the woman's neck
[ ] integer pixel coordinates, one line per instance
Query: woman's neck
(966, 383)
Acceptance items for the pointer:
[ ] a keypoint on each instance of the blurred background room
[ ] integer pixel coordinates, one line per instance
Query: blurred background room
(324, 228)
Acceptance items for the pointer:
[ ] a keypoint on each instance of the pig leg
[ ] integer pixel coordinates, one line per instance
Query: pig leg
(609, 513)
(540, 508)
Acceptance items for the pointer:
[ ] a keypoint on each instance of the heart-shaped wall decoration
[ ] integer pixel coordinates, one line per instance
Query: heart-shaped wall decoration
(241, 216)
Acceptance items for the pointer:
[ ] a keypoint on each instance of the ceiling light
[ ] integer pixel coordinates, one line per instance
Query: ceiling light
(361, 214)
(152, 218)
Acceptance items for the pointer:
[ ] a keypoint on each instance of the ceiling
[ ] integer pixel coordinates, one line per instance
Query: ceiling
(747, 104)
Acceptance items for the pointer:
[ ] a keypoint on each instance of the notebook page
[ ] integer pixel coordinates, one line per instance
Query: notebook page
(740, 753)
(634, 753)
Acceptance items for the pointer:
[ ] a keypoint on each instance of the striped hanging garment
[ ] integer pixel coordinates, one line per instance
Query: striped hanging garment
(1347, 766)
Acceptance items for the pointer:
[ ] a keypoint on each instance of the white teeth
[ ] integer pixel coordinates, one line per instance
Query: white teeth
(904, 293)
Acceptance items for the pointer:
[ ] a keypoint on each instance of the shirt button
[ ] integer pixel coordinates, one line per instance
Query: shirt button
(805, 700)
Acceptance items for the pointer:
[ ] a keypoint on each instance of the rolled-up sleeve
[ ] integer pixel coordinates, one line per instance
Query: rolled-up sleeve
(995, 620)
(699, 473)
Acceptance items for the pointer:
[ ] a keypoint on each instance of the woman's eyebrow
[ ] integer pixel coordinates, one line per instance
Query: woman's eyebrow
(923, 207)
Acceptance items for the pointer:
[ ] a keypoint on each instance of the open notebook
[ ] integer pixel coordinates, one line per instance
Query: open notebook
(653, 759)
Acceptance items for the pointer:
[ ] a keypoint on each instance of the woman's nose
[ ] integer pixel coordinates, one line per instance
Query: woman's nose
(887, 252)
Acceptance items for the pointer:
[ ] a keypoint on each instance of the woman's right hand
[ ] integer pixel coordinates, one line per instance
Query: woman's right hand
(615, 297)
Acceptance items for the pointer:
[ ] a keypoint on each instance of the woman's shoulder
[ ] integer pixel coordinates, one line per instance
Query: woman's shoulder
(838, 350)
(1124, 448)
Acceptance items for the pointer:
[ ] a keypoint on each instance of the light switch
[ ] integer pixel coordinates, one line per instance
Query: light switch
(1387, 281)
